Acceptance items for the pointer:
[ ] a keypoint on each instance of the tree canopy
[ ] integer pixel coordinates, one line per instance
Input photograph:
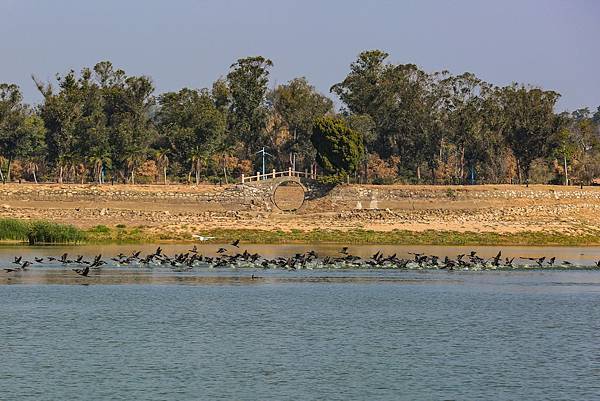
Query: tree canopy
(339, 148)
(394, 122)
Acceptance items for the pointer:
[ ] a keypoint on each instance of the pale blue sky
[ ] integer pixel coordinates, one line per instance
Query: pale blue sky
(550, 43)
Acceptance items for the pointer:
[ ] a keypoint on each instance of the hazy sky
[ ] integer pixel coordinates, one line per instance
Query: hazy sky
(550, 43)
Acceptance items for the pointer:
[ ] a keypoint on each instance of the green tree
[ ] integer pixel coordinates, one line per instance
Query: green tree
(564, 149)
(361, 89)
(21, 131)
(529, 123)
(470, 124)
(339, 148)
(12, 114)
(402, 102)
(193, 126)
(248, 113)
(62, 112)
(299, 105)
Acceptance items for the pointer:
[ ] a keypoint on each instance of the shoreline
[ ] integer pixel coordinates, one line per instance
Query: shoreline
(354, 237)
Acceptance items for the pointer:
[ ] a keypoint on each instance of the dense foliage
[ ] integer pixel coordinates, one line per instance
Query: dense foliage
(397, 123)
(339, 147)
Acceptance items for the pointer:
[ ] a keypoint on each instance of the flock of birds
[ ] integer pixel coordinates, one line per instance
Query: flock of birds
(309, 260)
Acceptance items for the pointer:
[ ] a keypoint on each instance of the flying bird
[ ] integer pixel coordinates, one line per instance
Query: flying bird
(202, 237)
(83, 272)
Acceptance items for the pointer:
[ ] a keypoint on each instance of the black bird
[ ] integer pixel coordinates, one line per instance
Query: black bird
(17, 260)
(235, 243)
(497, 258)
(344, 250)
(83, 272)
(598, 263)
(25, 265)
(221, 250)
(9, 270)
(39, 260)
(194, 249)
(97, 262)
(551, 261)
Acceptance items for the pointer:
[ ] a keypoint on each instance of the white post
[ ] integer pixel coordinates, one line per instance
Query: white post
(289, 171)
(273, 173)
(243, 178)
(258, 176)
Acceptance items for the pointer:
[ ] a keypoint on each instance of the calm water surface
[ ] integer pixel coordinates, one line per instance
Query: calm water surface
(310, 335)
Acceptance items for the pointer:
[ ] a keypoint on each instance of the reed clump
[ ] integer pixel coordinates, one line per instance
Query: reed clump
(39, 232)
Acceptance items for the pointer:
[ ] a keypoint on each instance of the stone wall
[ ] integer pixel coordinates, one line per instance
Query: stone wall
(238, 195)
(387, 193)
(258, 197)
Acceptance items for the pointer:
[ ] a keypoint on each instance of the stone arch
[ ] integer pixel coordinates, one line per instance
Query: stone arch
(288, 206)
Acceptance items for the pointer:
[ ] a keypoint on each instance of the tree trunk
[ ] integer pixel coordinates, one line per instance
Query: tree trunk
(462, 165)
(2, 175)
(165, 174)
(197, 172)
(60, 174)
(133, 176)
(8, 169)
(34, 176)
(519, 178)
(566, 171)
(418, 174)
(225, 174)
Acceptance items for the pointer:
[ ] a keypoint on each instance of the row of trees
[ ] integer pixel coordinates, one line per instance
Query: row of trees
(397, 123)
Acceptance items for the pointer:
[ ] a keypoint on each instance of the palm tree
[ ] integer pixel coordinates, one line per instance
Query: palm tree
(98, 164)
(162, 159)
(224, 152)
(197, 159)
(33, 168)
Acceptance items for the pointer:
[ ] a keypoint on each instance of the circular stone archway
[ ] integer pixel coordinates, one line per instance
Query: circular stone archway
(288, 195)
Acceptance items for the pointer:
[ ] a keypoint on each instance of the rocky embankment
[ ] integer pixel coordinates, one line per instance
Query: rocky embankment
(178, 208)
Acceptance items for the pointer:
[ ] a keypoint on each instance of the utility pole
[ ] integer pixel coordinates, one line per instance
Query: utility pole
(264, 153)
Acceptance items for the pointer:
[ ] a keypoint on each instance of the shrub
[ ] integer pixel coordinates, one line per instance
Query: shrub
(100, 229)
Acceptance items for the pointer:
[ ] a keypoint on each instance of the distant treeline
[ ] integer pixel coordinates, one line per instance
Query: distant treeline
(397, 123)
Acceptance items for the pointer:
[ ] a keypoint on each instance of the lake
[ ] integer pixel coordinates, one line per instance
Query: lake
(309, 335)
